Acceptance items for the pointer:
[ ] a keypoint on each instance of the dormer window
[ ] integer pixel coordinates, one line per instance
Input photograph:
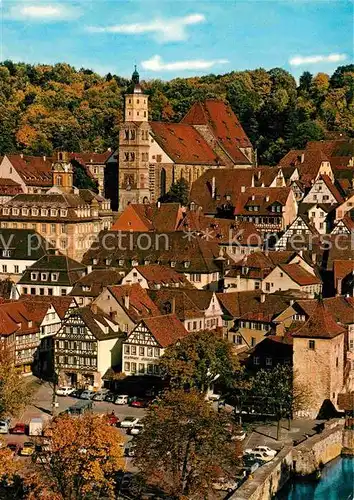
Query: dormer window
(55, 276)
(146, 262)
(135, 263)
(121, 262)
(6, 253)
(44, 276)
(173, 263)
(6, 211)
(53, 212)
(63, 213)
(94, 262)
(15, 211)
(30, 324)
(44, 212)
(34, 211)
(187, 264)
(24, 211)
(34, 276)
(108, 262)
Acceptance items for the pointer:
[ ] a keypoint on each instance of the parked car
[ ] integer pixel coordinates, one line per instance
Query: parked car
(126, 482)
(263, 449)
(250, 465)
(27, 449)
(140, 403)
(100, 395)
(4, 426)
(87, 394)
(214, 397)
(129, 422)
(239, 435)
(64, 390)
(134, 431)
(110, 397)
(259, 455)
(129, 449)
(225, 484)
(18, 429)
(121, 399)
(76, 393)
(14, 447)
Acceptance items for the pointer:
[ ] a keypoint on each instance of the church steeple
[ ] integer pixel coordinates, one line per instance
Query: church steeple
(135, 76)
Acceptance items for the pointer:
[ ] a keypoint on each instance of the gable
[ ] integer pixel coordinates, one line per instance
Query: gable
(141, 336)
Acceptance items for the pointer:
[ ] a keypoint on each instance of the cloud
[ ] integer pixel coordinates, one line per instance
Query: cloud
(331, 58)
(26, 11)
(156, 64)
(164, 30)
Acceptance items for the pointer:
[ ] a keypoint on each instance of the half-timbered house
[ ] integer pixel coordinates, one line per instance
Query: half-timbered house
(301, 230)
(146, 343)
(86, 346)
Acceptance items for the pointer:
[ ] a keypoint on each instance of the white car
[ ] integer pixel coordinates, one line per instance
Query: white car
(258, 455)
(263, 449)
(134, 431)
(225, 484)
(64, 390)
(129, 422)
(122, 399)
(87, 394)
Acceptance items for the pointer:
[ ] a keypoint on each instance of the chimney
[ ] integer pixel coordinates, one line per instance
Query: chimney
(94, 308)
(88, 269)
(292, 302)
(263, 297)
(243, 189)
(313, 257)
(159, 204)
(126, 301)
(21, 154)
(253, 197)
(302, 157)
(173, 305)
(213, 187)
(267, 198)
(114, 315)
(44, 158)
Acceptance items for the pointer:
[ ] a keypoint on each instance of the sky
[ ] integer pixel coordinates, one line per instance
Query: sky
(167, 39)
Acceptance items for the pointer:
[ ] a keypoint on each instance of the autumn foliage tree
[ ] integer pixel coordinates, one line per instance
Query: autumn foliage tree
(185, 446)
(86, 453)
(198, 359)
(15, 392)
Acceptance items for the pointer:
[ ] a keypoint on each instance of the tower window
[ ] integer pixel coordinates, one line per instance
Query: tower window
(132, 134)
(127, 135)
(126, 156)
(137, 113)
(132, 156)
(130, 101)
(137, 101)
(144, 113)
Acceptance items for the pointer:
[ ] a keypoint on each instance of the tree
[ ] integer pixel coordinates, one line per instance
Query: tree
(15, 392)
(185, 446)
(308, 131)
(198, 359)
(86, 453)
(305, 81)
(81, 178)
(276, 393)
(178, 193)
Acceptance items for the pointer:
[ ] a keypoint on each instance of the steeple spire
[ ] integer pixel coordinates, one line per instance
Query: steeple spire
(135, 76)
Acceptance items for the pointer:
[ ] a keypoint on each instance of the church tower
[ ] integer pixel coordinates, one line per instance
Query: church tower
(62, 173)
(134, 147)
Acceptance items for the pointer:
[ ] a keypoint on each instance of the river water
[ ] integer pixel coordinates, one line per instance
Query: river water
(336, 483)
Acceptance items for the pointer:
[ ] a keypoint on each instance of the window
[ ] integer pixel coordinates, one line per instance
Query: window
(34, 276)
(133, 350)
(150, 352)
(44, 276)
(4, 269)
(312, 345)
(53, 228)
(150, 368)
(127, 349)
(6, 253)
(156, 352)
(141, 351)
(133, 368)
(25, 290)
(269, 361)
(33, 291)
(44, 212)
(63, 292)
(267, 287)
(55, 276)
(256, 360)
(44, 228)
(41, 291)
(337, 362)
(127, 366)
(253, 341)
(141, 368)
(257, 285)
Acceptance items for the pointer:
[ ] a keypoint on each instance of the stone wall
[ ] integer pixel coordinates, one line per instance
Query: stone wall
(303, 459)
(268, 479)
(316, 451)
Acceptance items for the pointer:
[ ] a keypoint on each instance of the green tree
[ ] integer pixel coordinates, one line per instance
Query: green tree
(198, 359)
(308, 131)
(305, 81)
(185, 446)
(178, 193)
(81, 178)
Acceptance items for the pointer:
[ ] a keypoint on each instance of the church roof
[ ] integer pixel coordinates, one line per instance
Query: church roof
(224, 124)
(183, 143)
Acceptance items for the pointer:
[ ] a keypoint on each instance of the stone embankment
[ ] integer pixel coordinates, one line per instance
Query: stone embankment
(304, 459)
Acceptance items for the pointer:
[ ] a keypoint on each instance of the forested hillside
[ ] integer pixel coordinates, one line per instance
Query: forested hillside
(47, 107)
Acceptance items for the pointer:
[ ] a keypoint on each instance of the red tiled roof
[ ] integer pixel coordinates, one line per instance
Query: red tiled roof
(175, 302)
(60, 304)
(228, 186)
(183, 144)
(91, 157)
(292, 158)
(224, 124)
(300, 275)
(342, 268)
(263, 198)
(157, 274)
(140, 304)
(332, 188)
(143, 217)
(321, 324)
(166, 329)
(34, 170)
(15, 317)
